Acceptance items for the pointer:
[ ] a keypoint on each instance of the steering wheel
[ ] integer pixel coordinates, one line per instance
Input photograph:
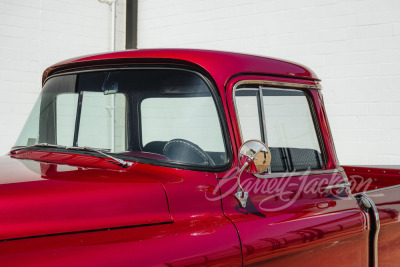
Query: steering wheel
(185, 151)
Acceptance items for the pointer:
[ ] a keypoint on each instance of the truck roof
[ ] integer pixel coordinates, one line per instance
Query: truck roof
(220, 65)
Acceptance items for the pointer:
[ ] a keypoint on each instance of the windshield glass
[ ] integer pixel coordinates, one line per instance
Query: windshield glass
(164, 115)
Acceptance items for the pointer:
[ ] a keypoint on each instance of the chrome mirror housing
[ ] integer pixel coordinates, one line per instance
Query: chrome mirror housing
(255, 158)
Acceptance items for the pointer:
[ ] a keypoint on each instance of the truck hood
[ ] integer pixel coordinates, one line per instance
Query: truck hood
(45, 197)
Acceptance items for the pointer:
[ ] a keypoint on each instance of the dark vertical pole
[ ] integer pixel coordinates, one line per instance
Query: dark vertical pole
(131, 24)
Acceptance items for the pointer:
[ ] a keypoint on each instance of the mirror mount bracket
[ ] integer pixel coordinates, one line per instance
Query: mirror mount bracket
(242, 195)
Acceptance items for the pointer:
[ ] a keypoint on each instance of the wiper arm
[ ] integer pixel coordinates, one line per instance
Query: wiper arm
(13, 151)
(120, 162)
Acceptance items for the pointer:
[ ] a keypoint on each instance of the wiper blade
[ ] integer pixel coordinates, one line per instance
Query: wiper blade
(120, 162)
(13, 151)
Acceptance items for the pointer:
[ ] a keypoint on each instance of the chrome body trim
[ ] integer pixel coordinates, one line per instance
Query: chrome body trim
(381, 189)
(291, 174)
(279, 84)
(337, 186)
(375, 211)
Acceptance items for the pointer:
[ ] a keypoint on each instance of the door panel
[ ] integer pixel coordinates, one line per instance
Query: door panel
(290, 218)
(284, 217)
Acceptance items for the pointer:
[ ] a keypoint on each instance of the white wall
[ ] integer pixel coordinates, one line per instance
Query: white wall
(37, 34)
(353, 46)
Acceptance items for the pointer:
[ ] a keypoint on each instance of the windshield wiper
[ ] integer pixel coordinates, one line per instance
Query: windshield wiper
(13, 151)
(120, 162)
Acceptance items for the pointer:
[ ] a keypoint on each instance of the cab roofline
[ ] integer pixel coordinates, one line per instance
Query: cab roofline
(220, 65)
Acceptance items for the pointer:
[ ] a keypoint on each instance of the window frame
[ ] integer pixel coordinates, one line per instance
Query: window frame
(259, 85)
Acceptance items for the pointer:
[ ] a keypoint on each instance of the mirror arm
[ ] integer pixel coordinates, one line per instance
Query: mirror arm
(240, 174)
(241, 195)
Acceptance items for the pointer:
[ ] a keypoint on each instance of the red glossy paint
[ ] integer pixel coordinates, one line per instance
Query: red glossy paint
(61, 209)
(370, 178)
(220, 65)
(388, 204)
(382, 186)
(45, 194)
(281, 230)
(66, 198)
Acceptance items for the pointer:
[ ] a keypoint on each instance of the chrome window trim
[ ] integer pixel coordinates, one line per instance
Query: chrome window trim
(292, 174)
(263, 121)
(338, 170)
(279, 84)
(284, 86)
(260, 83)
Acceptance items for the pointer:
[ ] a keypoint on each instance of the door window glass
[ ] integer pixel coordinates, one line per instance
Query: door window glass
(290, 132)
(248, 112)
(288, 119)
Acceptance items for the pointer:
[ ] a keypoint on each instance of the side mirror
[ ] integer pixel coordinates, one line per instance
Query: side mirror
(255, 158)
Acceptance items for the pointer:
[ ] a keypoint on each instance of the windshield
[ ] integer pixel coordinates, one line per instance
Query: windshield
(164, 115)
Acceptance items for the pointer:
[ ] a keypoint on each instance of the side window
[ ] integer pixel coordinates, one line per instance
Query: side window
(248, 111)
(290, 131)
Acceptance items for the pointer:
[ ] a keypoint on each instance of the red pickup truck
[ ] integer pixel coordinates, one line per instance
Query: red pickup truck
(175, 157)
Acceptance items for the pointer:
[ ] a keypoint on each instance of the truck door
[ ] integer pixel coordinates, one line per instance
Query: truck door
(300, 211)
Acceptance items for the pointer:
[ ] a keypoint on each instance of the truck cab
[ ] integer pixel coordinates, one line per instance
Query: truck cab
(179, 157)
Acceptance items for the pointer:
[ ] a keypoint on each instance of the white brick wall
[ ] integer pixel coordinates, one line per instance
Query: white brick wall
(37, 34)
(353, 46)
